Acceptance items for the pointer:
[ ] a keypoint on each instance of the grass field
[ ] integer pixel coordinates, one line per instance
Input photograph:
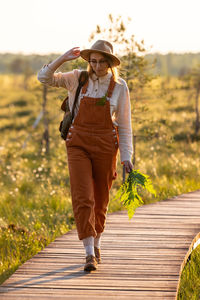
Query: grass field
(190, 278)
(35, 204)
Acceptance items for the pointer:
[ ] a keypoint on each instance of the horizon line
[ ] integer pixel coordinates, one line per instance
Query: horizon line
(59, 53)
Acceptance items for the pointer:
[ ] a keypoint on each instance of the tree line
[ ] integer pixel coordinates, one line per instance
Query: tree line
(171, 64)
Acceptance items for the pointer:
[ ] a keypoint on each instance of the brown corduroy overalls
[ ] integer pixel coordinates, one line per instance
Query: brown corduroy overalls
(92, 146)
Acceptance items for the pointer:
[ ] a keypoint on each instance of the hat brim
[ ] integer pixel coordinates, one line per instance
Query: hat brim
(85, 54)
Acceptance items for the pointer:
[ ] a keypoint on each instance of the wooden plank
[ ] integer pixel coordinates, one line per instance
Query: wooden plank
(139, 273)
(141, 257)
(64, 293)
(101, 285)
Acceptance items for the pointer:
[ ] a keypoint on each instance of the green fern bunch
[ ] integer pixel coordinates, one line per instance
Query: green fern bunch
(128, 191)
(102, 100)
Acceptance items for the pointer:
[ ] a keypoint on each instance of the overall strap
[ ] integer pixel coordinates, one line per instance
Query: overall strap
(111, 87)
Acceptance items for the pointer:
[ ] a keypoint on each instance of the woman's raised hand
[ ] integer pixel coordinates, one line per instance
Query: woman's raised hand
(71, 54)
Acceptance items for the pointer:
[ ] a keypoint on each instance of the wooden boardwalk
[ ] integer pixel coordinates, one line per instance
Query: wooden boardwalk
(141, 257)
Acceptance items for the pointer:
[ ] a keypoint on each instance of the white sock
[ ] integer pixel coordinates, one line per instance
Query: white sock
(89, 245)
(97, 241)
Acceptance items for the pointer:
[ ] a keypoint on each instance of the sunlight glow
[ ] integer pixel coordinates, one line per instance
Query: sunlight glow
(43, 26)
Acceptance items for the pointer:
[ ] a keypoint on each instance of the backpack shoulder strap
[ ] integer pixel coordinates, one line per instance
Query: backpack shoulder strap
(83, 78)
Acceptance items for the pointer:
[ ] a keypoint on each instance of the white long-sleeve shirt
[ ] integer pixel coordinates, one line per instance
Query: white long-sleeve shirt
(120, 107)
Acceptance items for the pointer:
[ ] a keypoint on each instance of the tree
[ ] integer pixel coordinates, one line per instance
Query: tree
(195, 82)
(193, 79)
(21, 65)
(45, 138)
(17, 65)
(28, 72)
(134, 67)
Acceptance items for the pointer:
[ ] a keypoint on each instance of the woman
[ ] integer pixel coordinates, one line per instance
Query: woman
(101, 125)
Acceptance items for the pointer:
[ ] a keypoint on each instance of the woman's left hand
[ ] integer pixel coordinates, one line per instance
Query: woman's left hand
(128, 165)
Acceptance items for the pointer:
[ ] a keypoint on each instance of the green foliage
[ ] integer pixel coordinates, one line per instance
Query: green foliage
(192, 78)
(18, 245)
(102, 100)
(190, 277)
(128, 192)
(31, 218)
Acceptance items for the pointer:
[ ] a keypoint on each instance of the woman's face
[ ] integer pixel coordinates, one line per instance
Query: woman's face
(99, 64)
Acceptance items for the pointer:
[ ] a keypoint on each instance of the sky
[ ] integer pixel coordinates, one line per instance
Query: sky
(49, 26)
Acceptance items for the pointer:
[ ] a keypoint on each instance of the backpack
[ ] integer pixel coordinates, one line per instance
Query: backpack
(68, 116)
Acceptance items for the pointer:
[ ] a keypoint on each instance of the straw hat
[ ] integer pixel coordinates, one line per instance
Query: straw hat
(103, 47)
